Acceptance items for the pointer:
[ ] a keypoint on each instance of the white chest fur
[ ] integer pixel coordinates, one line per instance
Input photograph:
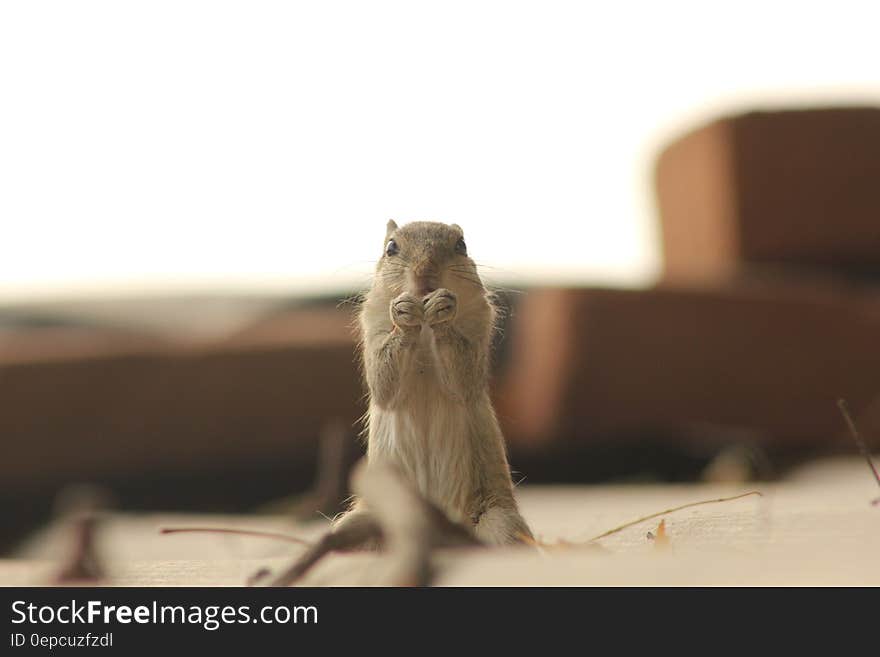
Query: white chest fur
(429, 435)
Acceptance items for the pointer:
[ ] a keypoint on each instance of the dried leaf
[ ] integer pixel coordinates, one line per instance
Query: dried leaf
(661, 539)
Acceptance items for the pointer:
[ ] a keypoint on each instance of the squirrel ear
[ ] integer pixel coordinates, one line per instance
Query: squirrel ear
(390, 228)
(456, 227)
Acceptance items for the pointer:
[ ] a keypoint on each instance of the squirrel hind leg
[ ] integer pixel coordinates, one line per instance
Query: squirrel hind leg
(502, 526)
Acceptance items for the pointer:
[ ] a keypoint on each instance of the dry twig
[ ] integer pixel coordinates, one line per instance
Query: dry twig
(672, 510)
(236, 532)
(82, 564)
(335, 456)
(863, 446)
(405, 525)
(81, 508)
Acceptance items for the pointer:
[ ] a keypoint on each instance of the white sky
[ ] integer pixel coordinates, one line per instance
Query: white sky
(260, 145)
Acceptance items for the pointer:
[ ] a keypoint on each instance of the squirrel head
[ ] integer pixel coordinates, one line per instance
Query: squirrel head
(423, 256)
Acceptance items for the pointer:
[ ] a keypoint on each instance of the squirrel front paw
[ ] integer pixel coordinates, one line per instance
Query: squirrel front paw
(407, 311)
(440, 306)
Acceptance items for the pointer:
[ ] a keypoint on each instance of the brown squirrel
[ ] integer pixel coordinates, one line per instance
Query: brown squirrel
(426, 329)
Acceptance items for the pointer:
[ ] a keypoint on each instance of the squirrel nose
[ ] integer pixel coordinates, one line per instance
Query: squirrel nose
(425, 277)
(424, 281)
(424, 285)
(424, 269)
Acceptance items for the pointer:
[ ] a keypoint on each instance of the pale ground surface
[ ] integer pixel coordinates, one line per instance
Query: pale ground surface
(815, 528)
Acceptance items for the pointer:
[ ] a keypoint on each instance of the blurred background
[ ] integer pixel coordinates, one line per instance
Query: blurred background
(678, 204)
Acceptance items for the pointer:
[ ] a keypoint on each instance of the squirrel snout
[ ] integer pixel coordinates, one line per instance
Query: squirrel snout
(424, 278)
(424, 286)
(424, 269)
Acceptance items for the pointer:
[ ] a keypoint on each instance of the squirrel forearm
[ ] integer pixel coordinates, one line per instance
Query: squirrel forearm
(461, 365)
(389, 359)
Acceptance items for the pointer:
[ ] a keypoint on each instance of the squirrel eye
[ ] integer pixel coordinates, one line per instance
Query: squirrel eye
(391, 248)
(461, 247)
